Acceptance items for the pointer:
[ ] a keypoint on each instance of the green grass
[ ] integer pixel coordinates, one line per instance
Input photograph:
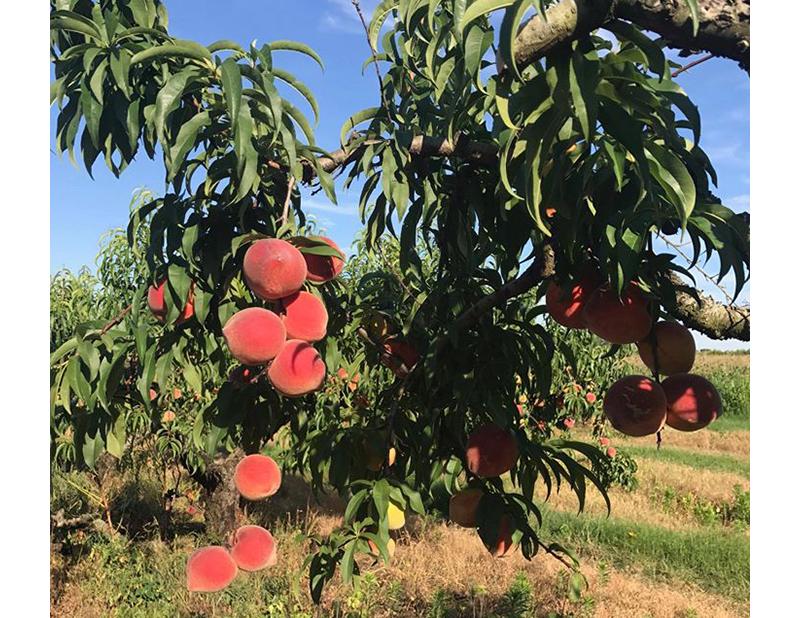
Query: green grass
(727, 424)
(716, 560)
(694, 459)
(733, 385)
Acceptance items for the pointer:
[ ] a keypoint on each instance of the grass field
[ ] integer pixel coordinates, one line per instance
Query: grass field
(675, 546)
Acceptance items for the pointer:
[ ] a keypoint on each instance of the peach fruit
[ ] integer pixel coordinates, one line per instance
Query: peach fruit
(636, 406)
(158, 307)
(321, 268)
(491, 451)
(210, 569)
(254, 335)
(273, 268)
(618, 320)
(257, 477)
(304, 316)
(565, 305)
(297, 370)
(464, 507)
(674, 350)
(253, 548)
(692, 402)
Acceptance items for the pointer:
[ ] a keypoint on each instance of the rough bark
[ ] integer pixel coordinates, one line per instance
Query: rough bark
(724, 28)
(221, 499)
(704, 314)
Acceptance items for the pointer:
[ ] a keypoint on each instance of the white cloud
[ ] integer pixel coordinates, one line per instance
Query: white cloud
(341, 16)
(738, 202)
(345, 211)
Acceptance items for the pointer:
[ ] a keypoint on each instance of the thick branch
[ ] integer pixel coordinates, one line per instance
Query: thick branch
(704, 314)
(543, 266)
(724, 28)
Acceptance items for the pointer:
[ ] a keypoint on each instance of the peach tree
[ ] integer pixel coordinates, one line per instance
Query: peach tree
(500, 161)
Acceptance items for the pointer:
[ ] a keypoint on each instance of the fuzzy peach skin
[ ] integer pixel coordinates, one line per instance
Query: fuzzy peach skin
(304, 316)
(273, 268)
(257, 477)
(254, 335)
(210, 569)
(491, 451)
(636, 406)
(253, 548)
(297, 370)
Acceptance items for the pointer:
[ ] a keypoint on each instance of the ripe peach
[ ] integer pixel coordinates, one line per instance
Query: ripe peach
(253, 548)
(168, 416)
(177, 393)
(675, 349)
(254, 335)
(491, 451)
(400, 356)
(604, 441)
(153, 394)
(591, 398)
(618, 320)
(210, 569)
(569, 423)
(464, 507)
(636, 406)
(611, 452)
(304, 316)
(565, 305)
(692, 401)
(273, 268)
(155, 301)
(297, 370)
(321, 268)
(257, 477)
(504, 543)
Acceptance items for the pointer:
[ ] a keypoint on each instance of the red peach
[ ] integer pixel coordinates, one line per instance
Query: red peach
(210, 569)
(463, 508)
(636, 406)
(254, 335)
(566, 306)
(304, 316)
(491, 451)
(257, 477)
(692, 402)
(675, 348)
(297, 370)
(158, 307)
(253, 548)
(321, 268)
(273, 268)
(618, 320)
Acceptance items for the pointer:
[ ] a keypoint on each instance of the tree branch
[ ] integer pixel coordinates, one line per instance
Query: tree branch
(724, 28)
(704, 314)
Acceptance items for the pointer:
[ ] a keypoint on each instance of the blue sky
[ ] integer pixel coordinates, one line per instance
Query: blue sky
(82, 208)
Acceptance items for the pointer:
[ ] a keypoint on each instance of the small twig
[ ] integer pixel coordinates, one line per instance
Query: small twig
(372, 50)
(555, 554)
(708, 277)
(694, 63)
(287, 201)
(116, 320)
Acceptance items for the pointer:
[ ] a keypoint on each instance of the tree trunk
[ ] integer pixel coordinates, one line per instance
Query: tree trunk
(222, 513)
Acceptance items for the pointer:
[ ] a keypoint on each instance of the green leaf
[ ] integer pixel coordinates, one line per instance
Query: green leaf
(73, 22)
(582, 82)
(479, 8)
(695, 13)
(172, 50)
(670, 172)
(298, 47)
(232, 88)
(301, 120)
(225, 44)
(508, 33)
(186, 141)
(301, 88)
(120, 68)
(655, 55)
(379, 16)
(169, 98)
(356, 119)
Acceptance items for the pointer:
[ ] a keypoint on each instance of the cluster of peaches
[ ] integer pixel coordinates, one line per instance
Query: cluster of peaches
(491, 452)
(637, 405)
(212, 568)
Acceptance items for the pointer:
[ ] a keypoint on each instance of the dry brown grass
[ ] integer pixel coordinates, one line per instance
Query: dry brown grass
(704, 362)
(732, 442)
(712, 485)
